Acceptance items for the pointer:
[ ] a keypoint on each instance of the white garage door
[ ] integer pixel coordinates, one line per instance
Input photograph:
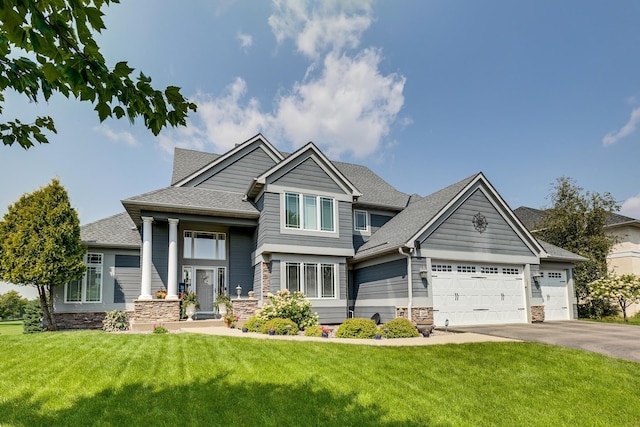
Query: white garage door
(553, 285)
(473, 294)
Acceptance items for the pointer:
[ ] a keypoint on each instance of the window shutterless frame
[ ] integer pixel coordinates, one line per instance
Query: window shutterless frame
(89, 288)
(309, 212)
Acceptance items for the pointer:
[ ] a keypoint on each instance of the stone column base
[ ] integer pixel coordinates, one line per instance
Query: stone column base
(423, 315)
(156, 310)
(537, 313)
(244, 307)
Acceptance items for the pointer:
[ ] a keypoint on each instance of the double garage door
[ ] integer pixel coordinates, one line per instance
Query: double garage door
(470, 294)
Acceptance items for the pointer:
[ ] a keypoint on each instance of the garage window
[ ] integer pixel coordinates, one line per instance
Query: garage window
(440, 267)
(489, 270)
(555, 275)
(466, 269)
(514, 271)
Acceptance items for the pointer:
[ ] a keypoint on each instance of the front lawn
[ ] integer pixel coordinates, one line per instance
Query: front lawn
(633, 320)
(11, 327)
(84, 378)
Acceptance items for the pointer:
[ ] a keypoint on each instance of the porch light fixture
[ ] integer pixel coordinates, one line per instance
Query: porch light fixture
(536, 277)
(424, 274)
(239, 290)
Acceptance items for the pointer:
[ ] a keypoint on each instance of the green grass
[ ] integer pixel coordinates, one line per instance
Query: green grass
(11, 327)
(632, 320)
(93, 378)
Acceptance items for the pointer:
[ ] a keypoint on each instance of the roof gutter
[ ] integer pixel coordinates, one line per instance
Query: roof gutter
(409, 282)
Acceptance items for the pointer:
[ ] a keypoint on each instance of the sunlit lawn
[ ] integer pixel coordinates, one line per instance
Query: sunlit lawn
(11, 327)
(631, 320)
(93, 378)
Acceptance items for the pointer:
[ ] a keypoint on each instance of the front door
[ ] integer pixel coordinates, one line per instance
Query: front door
(208, 283)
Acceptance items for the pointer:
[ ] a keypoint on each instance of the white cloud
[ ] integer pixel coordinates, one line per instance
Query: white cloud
(317, 27)
(349, 108)
(245, 40)
(116, 136)
(627, 129)
(631, 207)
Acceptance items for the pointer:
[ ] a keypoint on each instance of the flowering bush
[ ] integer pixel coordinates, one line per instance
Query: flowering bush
(623, 290)
(231, 318)
(287, 305)
(316, 331)
(254, 324)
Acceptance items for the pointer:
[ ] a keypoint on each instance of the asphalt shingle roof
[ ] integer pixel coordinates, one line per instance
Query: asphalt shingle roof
(403, 226)
(531, 217)
(556, 252)
(117, 230)
(186, 162)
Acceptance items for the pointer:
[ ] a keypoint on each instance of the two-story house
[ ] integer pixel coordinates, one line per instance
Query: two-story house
(257, 220)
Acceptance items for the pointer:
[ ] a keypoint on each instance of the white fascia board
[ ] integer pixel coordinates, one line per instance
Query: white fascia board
(271, 152)
(270, 248)
(281, 189)
(443, 255)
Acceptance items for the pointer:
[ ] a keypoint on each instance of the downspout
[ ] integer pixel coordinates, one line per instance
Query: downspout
(409, 283)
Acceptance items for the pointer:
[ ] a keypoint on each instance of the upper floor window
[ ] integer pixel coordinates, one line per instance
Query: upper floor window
(89, 288)
(205, 245)
(360, 221)
(307, 212)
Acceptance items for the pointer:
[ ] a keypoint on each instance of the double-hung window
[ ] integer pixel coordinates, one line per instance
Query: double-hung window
(360, 221)
(309, 212)
(205, 245)
(315, 280)
(89, 288)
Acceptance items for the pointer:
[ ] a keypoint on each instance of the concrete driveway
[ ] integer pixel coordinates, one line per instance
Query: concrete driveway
(622, 341)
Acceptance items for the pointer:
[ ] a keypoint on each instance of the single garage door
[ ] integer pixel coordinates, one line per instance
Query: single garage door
(553, 285)
(470, 294)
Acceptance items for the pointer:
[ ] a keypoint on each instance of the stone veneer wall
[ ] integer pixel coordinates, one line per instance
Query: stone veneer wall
(156, 310)
(244, 307)
(537, 313)
(423, 315)
(88, 320)
(266, 281)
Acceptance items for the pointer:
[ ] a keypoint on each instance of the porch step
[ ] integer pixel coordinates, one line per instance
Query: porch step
(176, 326)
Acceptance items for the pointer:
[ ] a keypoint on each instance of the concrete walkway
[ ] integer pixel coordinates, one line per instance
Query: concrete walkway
(438, 337)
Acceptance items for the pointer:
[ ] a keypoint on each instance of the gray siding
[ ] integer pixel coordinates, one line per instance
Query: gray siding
(332, 315)
(160, 256)
(269, 227)
(274, 277)
(238, 175)
(377, 221)
(126, 278)
(257, 280)
(386, 280)
(419, 290)
(308, 175)
(457, 232)
(240, 269)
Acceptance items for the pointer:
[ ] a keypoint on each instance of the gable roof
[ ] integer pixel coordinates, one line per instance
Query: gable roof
(117, 231)
(309, 150)
(191, 200)
(256, 140)
(375, 190)
(555, 253)
(532, 218)
(401, 228)
(186, 162)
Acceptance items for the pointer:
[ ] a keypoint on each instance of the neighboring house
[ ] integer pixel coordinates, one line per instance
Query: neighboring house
(259, 220)
(624, 257)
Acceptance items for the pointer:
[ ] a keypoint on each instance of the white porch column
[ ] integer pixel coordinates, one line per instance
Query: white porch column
(172, 280)
(147, 252)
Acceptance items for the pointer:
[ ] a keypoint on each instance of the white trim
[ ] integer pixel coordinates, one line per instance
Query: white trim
(477, 257)
(280, 189)
(624, 254)
(275, 156)
(216, 234)
(301, 231)
(301, 250)
(377, 261)
(325, 259)
(83, 280)
(147, 258)
(336, 275)
(366, 231)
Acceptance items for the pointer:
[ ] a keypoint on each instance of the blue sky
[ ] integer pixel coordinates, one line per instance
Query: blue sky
(425, 93)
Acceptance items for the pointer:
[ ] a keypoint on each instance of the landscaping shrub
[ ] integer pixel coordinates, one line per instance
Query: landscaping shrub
(32, 318)
(399, 328)
(287, 305)
(357, 328)
(253, 324)
(281, 326)
(160, 330)
(115, 321)
(313, 331)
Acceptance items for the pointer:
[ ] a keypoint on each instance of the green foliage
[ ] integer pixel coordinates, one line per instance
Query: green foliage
(254, 324)
(399, 328)
(280, 326)
(32, 318)
(313, 331)
(287, 305)
(62, 56)
(12, 305)
(623, 290)
(188, 298)
(357, 328)
(576, 222)
(160, 330)
(115, 321)
(40, 243)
